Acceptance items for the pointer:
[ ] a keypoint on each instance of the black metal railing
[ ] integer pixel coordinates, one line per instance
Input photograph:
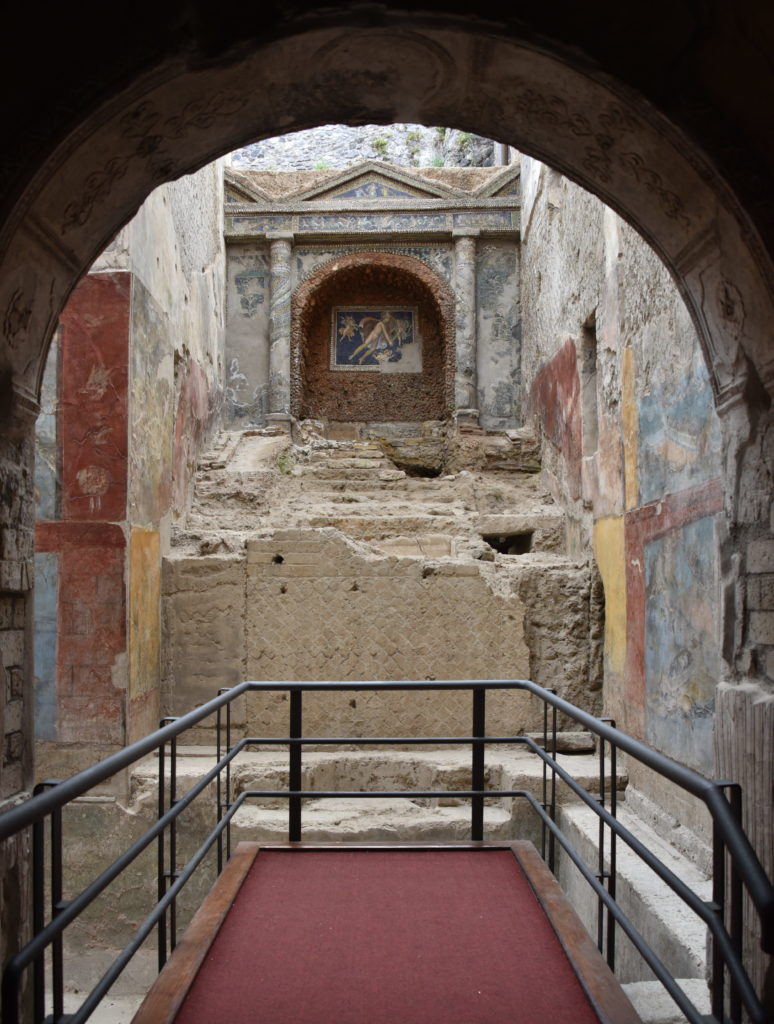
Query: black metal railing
(722, 914)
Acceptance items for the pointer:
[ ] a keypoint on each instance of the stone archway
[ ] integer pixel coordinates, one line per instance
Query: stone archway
(375, 278)
(421, 69)
(370, 64)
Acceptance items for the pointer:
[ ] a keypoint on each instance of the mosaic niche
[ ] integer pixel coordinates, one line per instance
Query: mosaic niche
(384, 339)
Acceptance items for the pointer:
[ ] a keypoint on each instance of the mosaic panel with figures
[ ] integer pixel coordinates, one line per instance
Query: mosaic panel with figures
(384, 339)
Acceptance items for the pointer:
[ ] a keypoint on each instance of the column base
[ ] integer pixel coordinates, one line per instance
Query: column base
(281, 420)
(466, 417)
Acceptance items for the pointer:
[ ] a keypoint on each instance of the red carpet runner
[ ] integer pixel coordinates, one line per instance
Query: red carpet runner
(371, 937)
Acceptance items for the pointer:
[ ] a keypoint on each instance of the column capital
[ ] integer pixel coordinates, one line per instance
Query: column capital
(460, 233)
(280, 236)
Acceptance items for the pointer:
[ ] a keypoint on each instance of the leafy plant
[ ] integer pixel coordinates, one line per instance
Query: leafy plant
(321, 165)
(437, 161)
(379, 145)
(286, 463)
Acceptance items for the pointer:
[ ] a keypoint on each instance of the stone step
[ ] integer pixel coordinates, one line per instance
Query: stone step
(351, 461)
(674, 932)
(357, 820)
(388, 769)
(324, 473)
(655, 1006)
(376, 488)
(348, 819)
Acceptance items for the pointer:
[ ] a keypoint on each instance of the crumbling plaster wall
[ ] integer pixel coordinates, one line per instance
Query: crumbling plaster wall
(132, 391)
(618, 387)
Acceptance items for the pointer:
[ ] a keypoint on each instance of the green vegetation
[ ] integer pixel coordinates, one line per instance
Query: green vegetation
(321, 165)
(464, 141)
(437, 161)
(413, 140)
(286, 463)
(379, 145)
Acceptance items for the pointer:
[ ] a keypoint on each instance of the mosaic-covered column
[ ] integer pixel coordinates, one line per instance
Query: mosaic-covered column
(465, 385)
(281, 247)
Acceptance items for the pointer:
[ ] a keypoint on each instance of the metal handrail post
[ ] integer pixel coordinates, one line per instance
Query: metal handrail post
(478, 776)
(543, 829)
(57, 967)
(172, 874)
(295, 766)
(613, 862)
(161, 882)
(601, 873)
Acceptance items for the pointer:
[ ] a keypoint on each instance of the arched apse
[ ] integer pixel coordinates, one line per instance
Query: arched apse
(373, 278)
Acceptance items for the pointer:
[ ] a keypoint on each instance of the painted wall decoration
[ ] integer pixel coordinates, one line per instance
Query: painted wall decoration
(373, 190)
(484, 219)
(372, 222)
(680, 445)
(250, 286)
(682, 664)
(383, 340)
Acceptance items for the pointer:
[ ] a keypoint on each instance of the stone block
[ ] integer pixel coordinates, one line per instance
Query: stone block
(15, 683)
(11, 780)
(13, 716)
(762, 627)
(770, 664)
(9, 548)
(12, 647)
(301, 557)
(11, 576)
(14, 746)
(294, 571)
(6, 612)
(760, 556)
(258, 557)
(760, 592)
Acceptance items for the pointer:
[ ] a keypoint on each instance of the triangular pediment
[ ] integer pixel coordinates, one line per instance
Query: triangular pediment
(238, 189)
(375, 180)
(503, 185)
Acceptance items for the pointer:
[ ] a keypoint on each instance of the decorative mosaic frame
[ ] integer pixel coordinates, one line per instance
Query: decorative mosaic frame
(375, 339)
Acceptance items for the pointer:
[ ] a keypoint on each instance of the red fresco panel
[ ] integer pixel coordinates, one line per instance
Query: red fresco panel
(555, 398)
(93, 410)
(91, 629)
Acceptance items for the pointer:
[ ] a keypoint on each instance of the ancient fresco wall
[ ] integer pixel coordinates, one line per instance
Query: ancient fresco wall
(498, 334)
(616, 381)
(131, 394)
(80, 637)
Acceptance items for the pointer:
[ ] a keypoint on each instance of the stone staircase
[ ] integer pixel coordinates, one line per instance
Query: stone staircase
(260, 479)
(339, 523)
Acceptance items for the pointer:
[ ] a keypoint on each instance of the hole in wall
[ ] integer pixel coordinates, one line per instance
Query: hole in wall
(278, 560)
(428, 472)
(510, 543)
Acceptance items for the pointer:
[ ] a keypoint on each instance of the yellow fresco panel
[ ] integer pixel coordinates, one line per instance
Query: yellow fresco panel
(144, 611)
(610, 553)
